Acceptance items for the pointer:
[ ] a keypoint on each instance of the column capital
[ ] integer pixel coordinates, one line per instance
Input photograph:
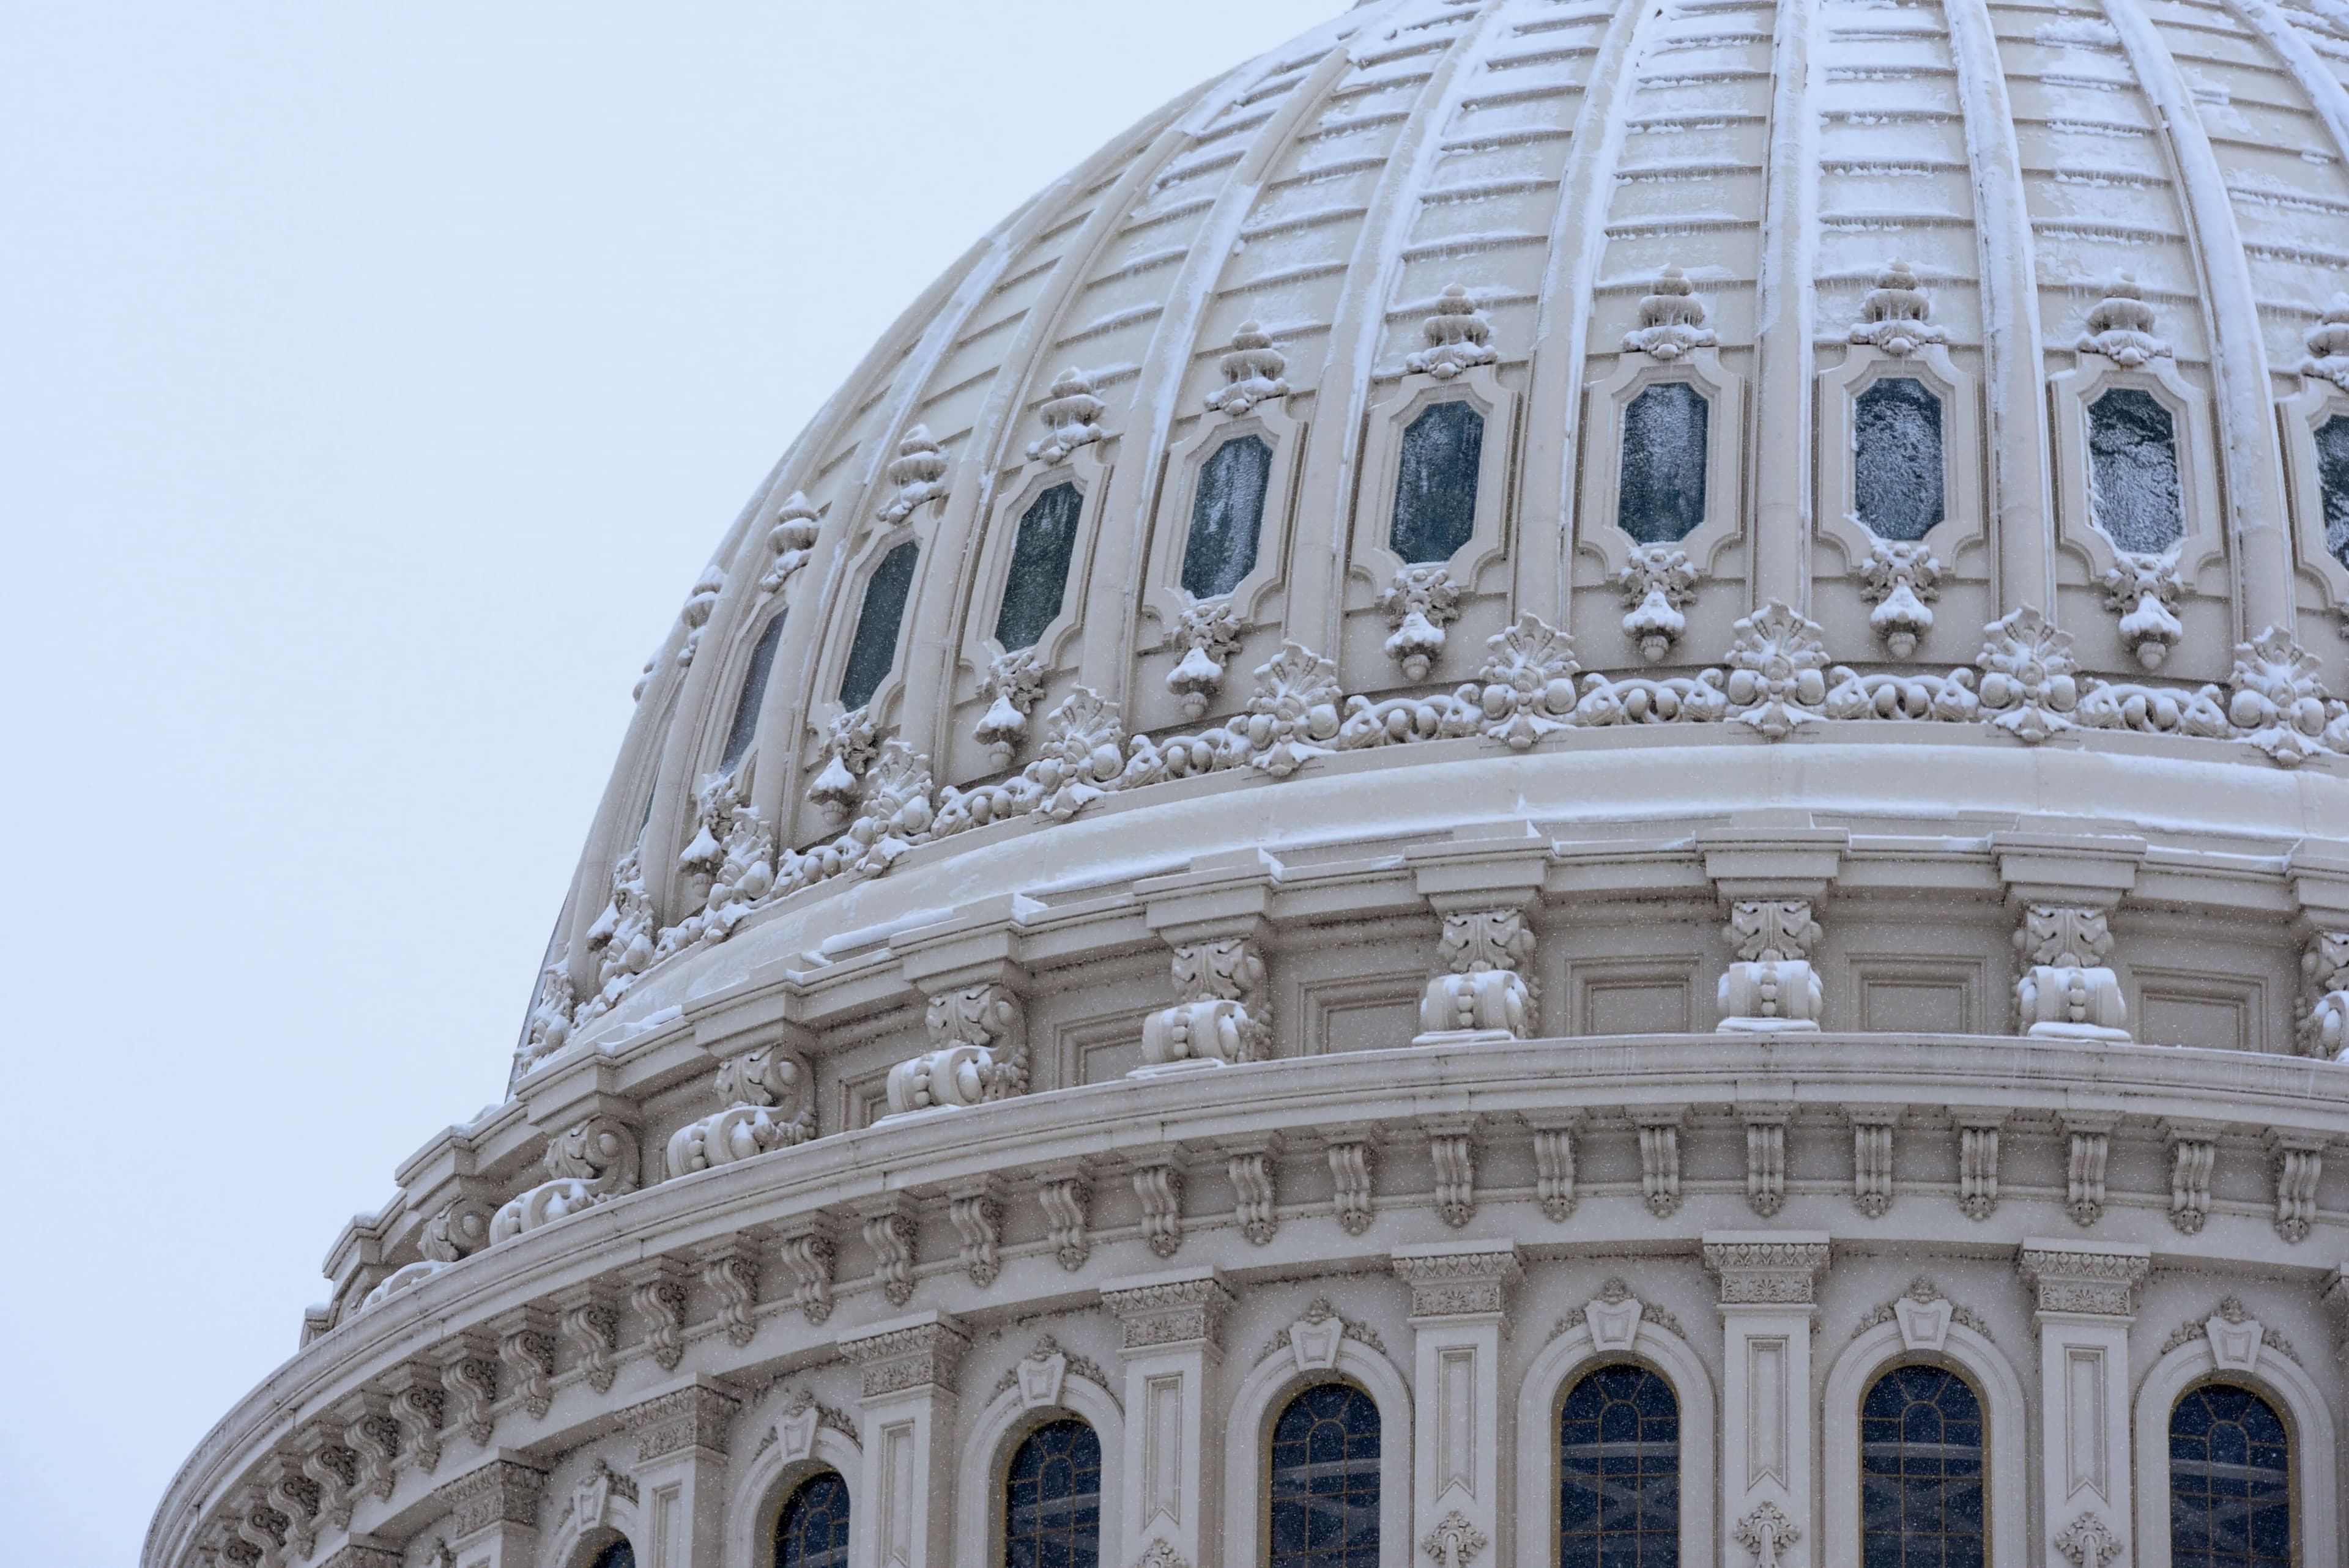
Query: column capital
(1162, 1311)
(906, 1355)
(694, 1415)
(2083, 1276)
(1458, 1279)
(1766, 1268)
(364, 1551)
(506, 1491)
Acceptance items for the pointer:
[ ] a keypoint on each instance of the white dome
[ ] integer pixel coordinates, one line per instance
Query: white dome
(1644, 668)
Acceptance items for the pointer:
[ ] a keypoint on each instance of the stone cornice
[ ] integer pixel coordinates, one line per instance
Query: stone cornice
(1766, 1268)
(2081, 1277)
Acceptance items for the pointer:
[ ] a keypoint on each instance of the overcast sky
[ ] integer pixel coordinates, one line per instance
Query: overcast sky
(375, 379)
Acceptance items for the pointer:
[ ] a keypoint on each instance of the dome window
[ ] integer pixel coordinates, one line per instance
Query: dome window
(2333, 482)
(1896, 459)
(1226, 517)
(745, 726)
(813, 1531)
(1435, 490)
(874, 649)
(1661, 497)
(1039, 578)
(2134, 493)
(1052, 1499)
(2230, 1481)
(1325, 1481)
(1921, 1476)
(1619, 1497)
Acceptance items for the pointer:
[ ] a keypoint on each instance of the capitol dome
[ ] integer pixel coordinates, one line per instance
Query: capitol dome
(1557, 785)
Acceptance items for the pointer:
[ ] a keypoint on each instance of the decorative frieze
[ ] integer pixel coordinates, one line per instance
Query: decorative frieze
(657, 1293)
(1771, 988)
(698, 1415)
(1013, 683)
(2193, 1157)
(1480, 991)
(1168, 1310)
(2066, 991)
(2080, 1278)
(976, 1209)
(502, 1491)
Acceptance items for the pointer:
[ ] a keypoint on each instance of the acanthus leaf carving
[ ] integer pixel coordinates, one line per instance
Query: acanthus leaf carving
(1766, 1532)
(1481, 990)
(1218, 1016)
(772, 1092)
(1454, 1542)
(976, 1210)
(979, 1053)
(1419, 604)
(2088, 1541)
(2066, 991)
(1658, 584)
(1901, 579)
(1777, 679)
(1772, 987)
(2274, 692)
(2028, 680)
(2143, 591)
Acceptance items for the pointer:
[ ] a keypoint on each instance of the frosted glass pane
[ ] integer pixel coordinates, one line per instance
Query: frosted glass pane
(875, 647)
(2333, 476)
(1226, 516)
(1896, 459)
(2133, 489)
(754, 692)
(1039, 578)
(1435, 490)
(1661, 498)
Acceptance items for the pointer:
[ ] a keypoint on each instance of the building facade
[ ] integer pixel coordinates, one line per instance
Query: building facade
(1555, 785)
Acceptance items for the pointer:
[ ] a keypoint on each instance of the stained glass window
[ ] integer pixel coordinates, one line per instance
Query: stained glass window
(2133, 488)
(1039, 578)
(2229, 1481)
(1896, 459)
(1619, 1467)
(1435, 489)
(619, 1554)
(1920, 1471)
(2333, 479)
(1051, 1500)
(875, 647)
(812, 1531)
(1661, 497)
(739, 734)
(1226, 517)
(1325, 1481)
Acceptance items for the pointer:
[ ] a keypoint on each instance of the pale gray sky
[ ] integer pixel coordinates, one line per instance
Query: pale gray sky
(374, 380)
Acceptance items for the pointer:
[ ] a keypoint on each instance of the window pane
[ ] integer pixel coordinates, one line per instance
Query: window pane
(1619, 1467)
(618, 1554)
(1226, 516)
(813, 1530)
(1922, 1480)
(1661, 497)
(1896, 459)
(1324, 1501)
(2133, 489)
(1435, 490)
(2229, 1481)
(2333, 478)
(875, 647)
(754, 692)
(1039, 578)
(1051, 1500)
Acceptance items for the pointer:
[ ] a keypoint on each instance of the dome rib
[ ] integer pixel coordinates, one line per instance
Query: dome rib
(1785, 304)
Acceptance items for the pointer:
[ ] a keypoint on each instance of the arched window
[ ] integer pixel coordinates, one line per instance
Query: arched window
(1921, 1483)
(1435, 487)
(1897, 458)
(2333, 480)
(1324, 1484)
(2230, 1481)
(2133, 488)
(1051, 1498)
(1039, 578)
(1619, 1467)
(1226, 517)
(619, 1554)
(739, 734)
(813, 1530)
(875, 647)
(1661, 497)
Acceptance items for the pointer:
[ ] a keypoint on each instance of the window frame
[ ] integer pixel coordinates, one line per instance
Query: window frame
(2223, 1378)
(1602, 1361)
(2298, 418)
(1164, 596)
(982, 605)
(1955, 541)
(1280, 1407)
(1256, 1408)
(1955, 1368)
(983, 1464)
(798, 1477)
(804, 1448)
(1373, 561)
(2309, 1422)
(2202, 546)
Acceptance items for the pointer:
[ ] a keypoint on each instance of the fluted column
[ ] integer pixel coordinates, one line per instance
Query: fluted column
(680, 1474)
(1458, 1299)
(2086, 1300)
(1174, 1325)
(901, 1520)
(1769, 1419)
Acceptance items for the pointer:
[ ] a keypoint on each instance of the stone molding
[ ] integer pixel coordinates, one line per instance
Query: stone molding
(1161, 1311)
(1464, 1279)
(1759, 1268)
(921, 1352)
(698, 1416)
(506, 1490)
(2077, 1277)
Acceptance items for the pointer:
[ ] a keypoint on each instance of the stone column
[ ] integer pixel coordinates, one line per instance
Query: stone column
(2086, 1300)
(1769, 1427)
(493, 1513)
(680, 1474)
(1174, 1326)
(902, 1519)
(1458, 1299)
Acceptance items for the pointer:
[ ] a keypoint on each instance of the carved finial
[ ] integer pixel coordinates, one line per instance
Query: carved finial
(1253, 373)
(1892, 317)
(1900, 579)
(919, 472)
(2143, 591)
(791, 539)
(1012, 684)
(1071, 415)
(2328, 343)
(1658, 584)
(1420, 603)
(1208, 635)
(2120, 326)
(1672, 320)
(1458, 337)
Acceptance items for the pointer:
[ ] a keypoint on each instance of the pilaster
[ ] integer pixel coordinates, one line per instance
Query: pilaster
(680, 1473)
(1174, 1326)
(1459, 1298)
(1769, 1419)
(910, 1365)
(2085, 1299)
